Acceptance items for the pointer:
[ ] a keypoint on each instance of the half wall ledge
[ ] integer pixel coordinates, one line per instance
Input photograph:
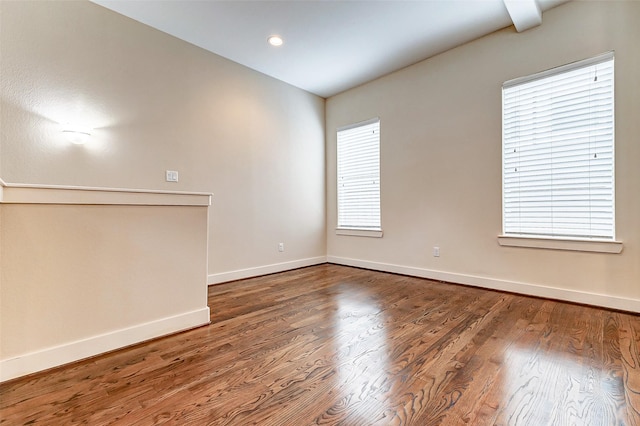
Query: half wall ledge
(86, 271)
(13, 193)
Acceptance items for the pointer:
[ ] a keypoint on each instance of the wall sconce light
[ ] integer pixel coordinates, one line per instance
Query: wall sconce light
(76, 135)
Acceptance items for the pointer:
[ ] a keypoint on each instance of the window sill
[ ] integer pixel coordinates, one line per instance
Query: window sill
(598, 246)
(374, 233)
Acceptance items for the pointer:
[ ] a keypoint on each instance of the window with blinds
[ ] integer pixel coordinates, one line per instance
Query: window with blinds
(558, 152)
(359, 176)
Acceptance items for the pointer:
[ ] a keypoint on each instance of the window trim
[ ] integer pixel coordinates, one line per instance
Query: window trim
(603, 245)
(560, 69)
(354, 230)
(357, 232)
(585, 245)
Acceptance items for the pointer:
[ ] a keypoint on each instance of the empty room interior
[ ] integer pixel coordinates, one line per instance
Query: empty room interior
(400, 213)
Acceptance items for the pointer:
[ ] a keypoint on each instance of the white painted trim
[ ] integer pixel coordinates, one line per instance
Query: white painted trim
(240, 274)
(57, 194)
(358, 124)
(374, 233)
(602, 300)
(560, 69)
(73, 351)
(2, 185)
(597, 246)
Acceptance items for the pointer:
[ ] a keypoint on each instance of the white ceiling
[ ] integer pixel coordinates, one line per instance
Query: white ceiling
(330, 45)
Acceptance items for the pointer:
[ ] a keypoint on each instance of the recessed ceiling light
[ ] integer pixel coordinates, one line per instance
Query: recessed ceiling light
(275, 40)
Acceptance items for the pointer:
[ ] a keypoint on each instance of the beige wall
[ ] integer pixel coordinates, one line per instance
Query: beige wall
(441, 161)
(158, 103)
(96, 271)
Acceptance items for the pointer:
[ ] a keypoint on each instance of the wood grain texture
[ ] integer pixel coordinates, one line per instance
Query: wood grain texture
(334, 345)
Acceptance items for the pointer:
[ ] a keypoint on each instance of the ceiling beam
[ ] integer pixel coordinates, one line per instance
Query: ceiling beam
(525, 14)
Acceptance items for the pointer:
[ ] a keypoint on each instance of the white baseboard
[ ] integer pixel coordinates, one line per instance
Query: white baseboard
(602, 300)
(264, 270)
(73, 351)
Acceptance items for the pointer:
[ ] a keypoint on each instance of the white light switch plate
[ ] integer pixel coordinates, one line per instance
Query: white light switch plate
(172, 176)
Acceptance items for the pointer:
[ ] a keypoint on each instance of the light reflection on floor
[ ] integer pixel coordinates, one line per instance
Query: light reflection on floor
(362, 347)
(557, 388)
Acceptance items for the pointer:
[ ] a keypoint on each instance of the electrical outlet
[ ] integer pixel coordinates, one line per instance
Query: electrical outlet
(281, 247)
(172, 176)
(436, 252)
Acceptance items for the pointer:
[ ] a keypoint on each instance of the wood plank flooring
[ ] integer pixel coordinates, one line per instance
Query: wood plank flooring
(333, 345)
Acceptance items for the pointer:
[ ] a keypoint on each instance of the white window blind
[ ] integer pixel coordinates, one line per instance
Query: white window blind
(558, 152)
(359, 176)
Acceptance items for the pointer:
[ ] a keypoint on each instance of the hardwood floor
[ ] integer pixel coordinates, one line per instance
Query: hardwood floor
(337, 345)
